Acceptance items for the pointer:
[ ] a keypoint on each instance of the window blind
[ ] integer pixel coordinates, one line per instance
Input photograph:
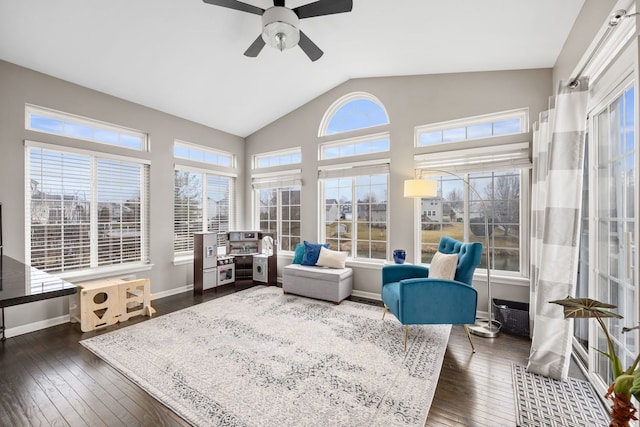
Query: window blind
(121, 211)
(281, 179)
(353, 169)
(187, 209)
(477, 159)
(84, 210)
(220, 212)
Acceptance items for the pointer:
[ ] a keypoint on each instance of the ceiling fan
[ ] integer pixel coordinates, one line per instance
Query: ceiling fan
(280, 24)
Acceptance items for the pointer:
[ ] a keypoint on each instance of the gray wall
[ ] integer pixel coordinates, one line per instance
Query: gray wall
(592, 16)
(19, 86)
(410, 101)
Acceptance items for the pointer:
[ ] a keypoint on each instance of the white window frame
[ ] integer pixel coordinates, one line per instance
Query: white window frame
(522, 114)
(353, 170)
(180, 257)
(353, 165)
(611, 67)
(523, 250)
(196, 148)
(353, 142)
(84, 121)
(503, 152)
(328, 115)
(275, 181)
(281, 157)
(94, 270)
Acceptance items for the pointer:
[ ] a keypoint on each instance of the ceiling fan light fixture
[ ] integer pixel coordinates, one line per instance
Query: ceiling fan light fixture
(281, 41)
(280, 28)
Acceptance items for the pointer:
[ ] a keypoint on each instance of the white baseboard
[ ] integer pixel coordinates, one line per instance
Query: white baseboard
(174, 291)
(368, 295)
(36, 326)
(42, 324)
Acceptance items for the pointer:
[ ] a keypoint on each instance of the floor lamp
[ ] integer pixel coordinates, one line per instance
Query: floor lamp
(419, 188)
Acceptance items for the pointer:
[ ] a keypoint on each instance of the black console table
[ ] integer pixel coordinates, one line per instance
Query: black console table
(21, 284)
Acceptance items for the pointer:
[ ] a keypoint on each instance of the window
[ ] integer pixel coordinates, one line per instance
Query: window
(352, 112)
(471, 179)
(204, 196)
(278, 202)
(203, 201)
(486, 126)
(355, 146)
(85, 210)
(355, 212)
(277, 158)
(460, 214)
(185, 150)
(354, 194)
(609, 228)
(49, 121)
(280, 212)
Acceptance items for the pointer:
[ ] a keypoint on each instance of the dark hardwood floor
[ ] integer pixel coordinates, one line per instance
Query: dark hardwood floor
(48, 379)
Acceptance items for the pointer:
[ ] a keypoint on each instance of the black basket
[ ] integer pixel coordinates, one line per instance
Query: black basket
(513, 315)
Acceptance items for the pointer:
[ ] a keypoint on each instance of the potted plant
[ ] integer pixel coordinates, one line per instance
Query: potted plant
(626, 383)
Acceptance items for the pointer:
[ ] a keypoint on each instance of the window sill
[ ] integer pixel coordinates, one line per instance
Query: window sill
(103, 272)
(479, 276)
(501, 279)
(372, 264)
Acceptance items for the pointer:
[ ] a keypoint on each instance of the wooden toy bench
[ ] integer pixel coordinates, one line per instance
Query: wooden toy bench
(107, 301)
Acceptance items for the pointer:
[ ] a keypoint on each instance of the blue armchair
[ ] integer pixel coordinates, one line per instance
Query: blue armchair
(416, 299)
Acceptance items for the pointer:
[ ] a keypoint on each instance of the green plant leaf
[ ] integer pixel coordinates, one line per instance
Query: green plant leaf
(616, 365)
(635, 388)
(584, 308)
(623, 384)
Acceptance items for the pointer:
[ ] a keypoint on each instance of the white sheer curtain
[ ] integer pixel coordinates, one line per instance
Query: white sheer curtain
(558, 159)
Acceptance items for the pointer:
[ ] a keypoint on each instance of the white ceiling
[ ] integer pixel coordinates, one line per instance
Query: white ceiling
(185, 57)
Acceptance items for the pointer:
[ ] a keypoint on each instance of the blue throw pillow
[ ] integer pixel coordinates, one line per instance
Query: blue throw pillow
(312, 252)
(299, 254)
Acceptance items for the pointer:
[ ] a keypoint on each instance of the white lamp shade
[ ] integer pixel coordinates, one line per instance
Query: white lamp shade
(420, 188)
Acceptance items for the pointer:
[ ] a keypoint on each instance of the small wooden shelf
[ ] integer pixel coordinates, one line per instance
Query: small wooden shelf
(108, 301)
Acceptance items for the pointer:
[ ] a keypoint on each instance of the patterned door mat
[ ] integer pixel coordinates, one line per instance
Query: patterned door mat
(542, 401)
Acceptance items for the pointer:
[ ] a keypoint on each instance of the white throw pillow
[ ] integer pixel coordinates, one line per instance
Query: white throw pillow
(443, 266)
(332, 259)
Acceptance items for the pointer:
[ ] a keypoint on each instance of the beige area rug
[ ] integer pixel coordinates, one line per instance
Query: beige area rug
(261, 358)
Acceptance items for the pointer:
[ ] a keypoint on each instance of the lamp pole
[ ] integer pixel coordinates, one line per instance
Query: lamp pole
(482, 328)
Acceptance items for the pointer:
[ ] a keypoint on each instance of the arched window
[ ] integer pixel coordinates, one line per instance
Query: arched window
(354, 185)
(354, 111)
(358, 110)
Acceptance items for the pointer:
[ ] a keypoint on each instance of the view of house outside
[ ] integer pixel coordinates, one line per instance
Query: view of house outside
(445, 215)
(356, 214)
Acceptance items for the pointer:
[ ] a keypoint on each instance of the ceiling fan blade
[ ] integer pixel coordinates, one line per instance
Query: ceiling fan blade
(278, 3)
(237, 5)
(313, 52)
(323, 7)
(255, 47)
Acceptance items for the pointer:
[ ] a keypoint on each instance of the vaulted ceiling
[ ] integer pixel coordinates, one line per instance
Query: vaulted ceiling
(185, 57)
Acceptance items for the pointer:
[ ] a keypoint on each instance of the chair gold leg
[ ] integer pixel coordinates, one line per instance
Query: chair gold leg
(406, 336)
(385, 311)
(466, 328)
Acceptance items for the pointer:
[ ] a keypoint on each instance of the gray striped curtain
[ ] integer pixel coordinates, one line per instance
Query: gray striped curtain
(558, 159)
